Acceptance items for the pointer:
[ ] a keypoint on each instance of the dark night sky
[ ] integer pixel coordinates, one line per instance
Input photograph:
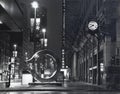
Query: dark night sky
(16, 37)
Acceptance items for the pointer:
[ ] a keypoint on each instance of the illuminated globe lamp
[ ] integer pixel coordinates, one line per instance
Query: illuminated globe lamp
(15, 52)
(44, 40)
(1, 22)
(34, 4)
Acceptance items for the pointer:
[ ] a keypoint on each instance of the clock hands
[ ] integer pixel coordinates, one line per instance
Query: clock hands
(91, 25)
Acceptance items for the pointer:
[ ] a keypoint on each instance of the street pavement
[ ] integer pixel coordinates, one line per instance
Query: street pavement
(60, 92)
(66, 88)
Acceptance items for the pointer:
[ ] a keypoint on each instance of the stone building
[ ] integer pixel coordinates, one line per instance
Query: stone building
(88, 64)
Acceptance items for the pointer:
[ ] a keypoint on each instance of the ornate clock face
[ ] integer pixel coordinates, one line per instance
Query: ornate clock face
(92, 25)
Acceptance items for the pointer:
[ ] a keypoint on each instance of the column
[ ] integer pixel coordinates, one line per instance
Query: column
(74, 71)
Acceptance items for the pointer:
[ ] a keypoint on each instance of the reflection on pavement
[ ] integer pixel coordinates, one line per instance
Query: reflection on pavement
(59, 92)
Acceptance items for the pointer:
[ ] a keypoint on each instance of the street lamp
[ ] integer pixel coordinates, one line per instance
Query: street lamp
(15, 52)
(35, 6)
(15, 46)
(43, 31)
(1, 22)
(44, 39)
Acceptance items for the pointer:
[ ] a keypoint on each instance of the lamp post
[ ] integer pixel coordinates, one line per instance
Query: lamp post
(9, 76)
(35, 6)
(13, 59)
(98, 61)
(44, 39)
(12, 64)
(15, 52)
(44, 31)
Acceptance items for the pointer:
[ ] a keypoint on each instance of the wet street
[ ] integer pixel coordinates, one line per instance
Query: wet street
(61, 92)
(66, 88)
(58, 92)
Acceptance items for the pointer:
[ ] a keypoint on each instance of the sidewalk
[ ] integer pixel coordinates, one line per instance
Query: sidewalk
(102, 87)
(87, 86)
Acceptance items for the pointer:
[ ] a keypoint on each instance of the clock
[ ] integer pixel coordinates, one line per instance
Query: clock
(92, 25)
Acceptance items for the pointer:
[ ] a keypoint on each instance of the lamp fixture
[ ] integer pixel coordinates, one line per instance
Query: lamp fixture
(1, 22)
(34, 4)
(43, 30)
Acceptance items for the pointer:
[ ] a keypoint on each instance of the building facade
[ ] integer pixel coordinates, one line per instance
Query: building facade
(85, 57)
(4, 55)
